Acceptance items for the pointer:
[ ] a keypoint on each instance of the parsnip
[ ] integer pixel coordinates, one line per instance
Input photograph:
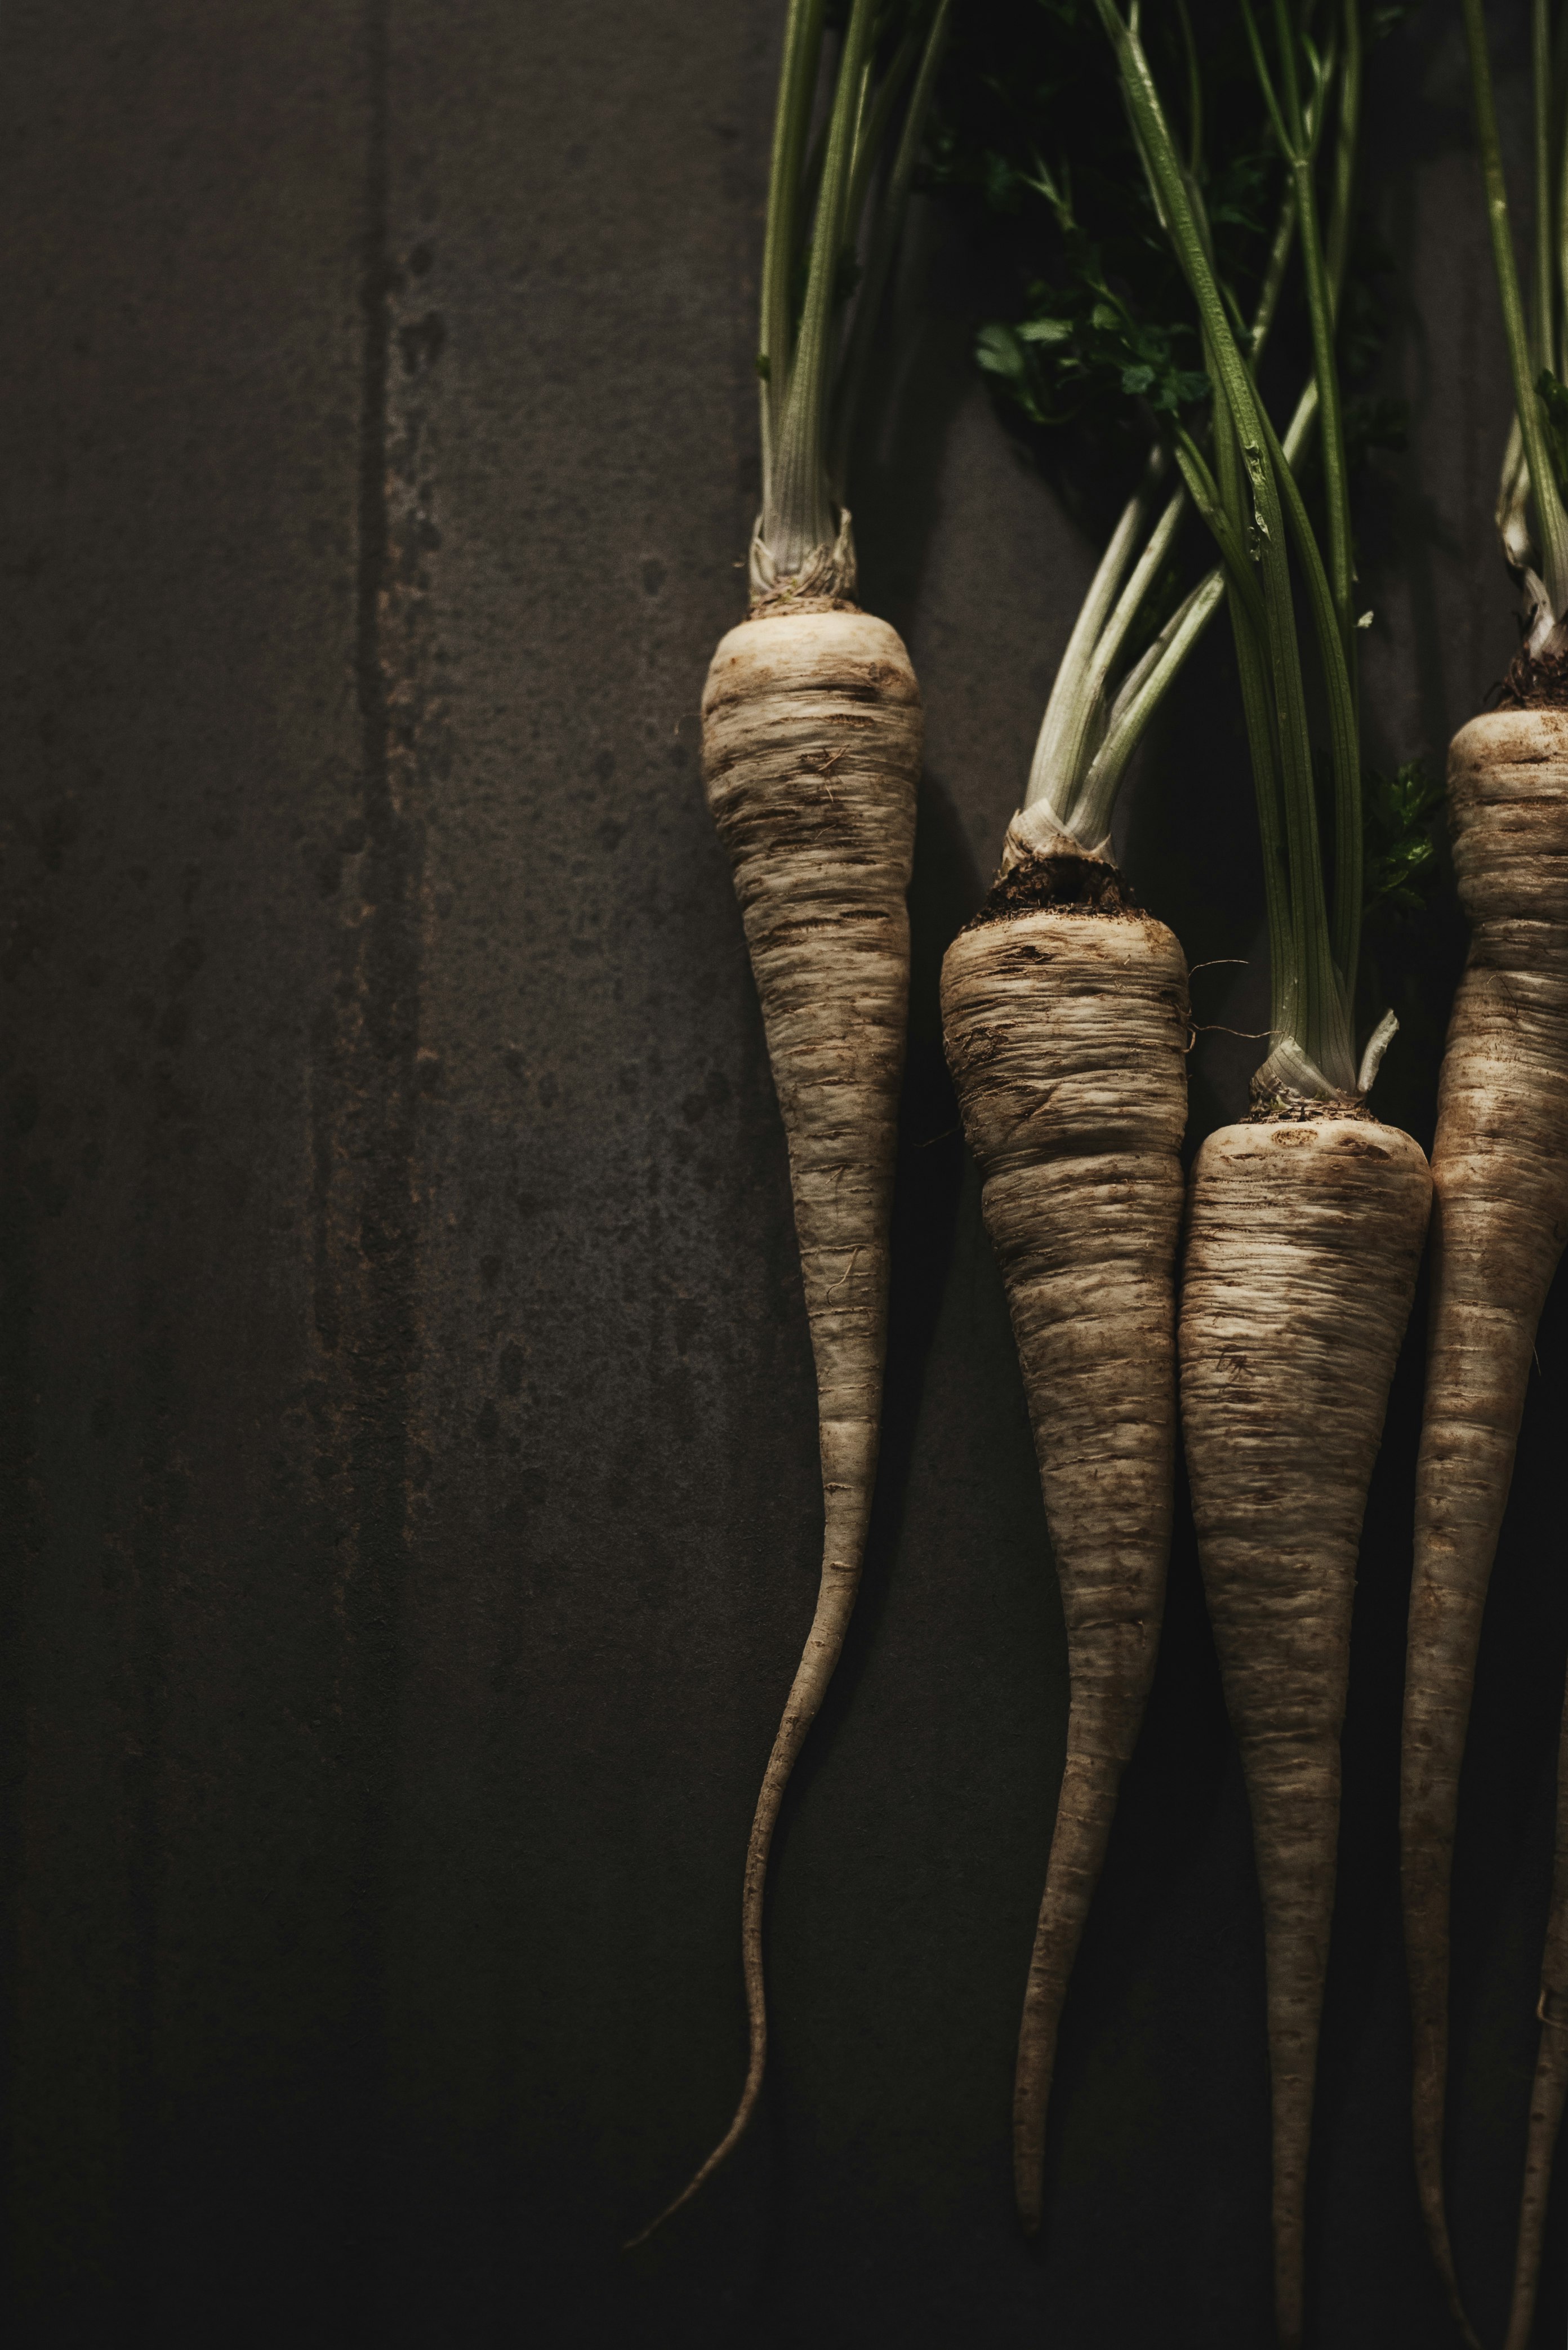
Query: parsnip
(1067, 1031)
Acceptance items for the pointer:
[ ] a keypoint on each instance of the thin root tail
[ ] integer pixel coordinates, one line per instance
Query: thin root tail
(1085, 1810)
(835, 1603)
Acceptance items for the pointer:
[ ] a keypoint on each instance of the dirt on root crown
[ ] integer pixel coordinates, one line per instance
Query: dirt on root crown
(1064, 885)
(1284, 1107)
(1535, 680)
(784, 600)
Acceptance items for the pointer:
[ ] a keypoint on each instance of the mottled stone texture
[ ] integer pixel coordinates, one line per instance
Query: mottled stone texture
(408, 1428)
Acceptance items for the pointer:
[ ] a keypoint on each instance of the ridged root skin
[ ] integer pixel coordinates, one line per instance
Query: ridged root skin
(1298, 1274)
(1066, 1035)
(1499, 1166)
(811, 737)
(1551, 2086)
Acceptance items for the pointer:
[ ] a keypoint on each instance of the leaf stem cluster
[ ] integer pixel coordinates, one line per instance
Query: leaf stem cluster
(1252, 506)
(1088, 734)
(1244, 486)
(1535, 466)
(835, 203)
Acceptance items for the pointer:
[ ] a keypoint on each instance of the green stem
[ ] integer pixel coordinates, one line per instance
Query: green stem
(1337, 242)
(1345, 930)
(1086, 810)
(882, 244)
(1071, 763)
(1150, 679)
(1344, 149)
(1226, 528)
(1079, 751)
(1331, 416)
(1053, 777)
(1321, 1026)
(1559, 216)
(1273, 275)
(1141, 692)
(1083, 751)
(1253, 671)
(1511, 511)
(1551, 516)
(1298, 148)
(1331, 595)
(797, 87)
(1541, 338)
(1194, 94)
(797, 519)
(871, 129)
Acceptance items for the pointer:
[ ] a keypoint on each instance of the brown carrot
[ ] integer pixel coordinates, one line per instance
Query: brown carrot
(1500, 1164)
(1304, 1235)
(1065, 1016)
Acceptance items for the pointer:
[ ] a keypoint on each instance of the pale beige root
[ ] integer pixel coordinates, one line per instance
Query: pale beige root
(812, 733)
(1066, 1034)
(1551, 2087)
(1299, 1269)
(1499, 1166)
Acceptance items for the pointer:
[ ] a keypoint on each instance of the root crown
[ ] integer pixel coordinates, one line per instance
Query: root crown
(1056, 884)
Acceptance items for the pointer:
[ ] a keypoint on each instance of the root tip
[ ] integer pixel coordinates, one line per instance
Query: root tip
(633, 2242)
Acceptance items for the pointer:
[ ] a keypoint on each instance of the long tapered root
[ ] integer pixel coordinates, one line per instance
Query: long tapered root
(1548, 2095)
(1300, 1267)
(1067, 1031)
(826, 1640)
(812, 736)
(1085, 1810)
(1500, 1167)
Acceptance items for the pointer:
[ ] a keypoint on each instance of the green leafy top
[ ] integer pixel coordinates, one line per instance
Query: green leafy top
(1400, 812)
(864, 71)
(1534, 335)
(1080, 344)
(1032, 139)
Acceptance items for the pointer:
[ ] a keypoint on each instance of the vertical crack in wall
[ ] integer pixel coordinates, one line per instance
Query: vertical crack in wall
(367, 1183)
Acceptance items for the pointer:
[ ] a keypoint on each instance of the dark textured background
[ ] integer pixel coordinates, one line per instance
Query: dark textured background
(408, 1415)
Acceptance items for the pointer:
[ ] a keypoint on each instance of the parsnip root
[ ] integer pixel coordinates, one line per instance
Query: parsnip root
(812, 734)
(1303, 1244)
(1067, 1032)
(1499, 1165)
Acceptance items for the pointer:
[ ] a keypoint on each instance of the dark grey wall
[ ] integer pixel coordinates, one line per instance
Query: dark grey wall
(407, 1421)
